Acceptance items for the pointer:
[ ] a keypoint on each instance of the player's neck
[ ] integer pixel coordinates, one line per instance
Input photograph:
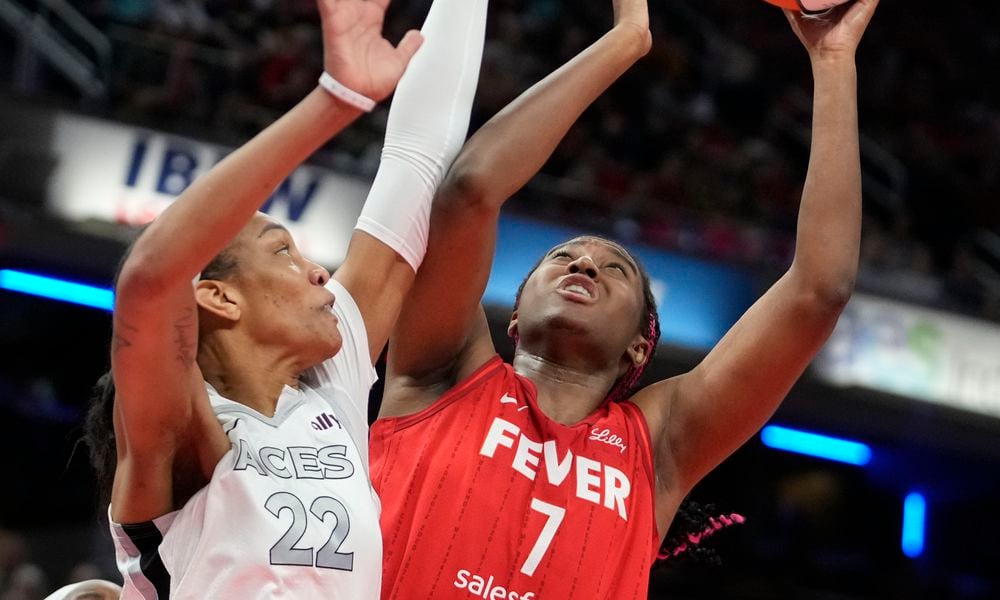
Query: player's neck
(566, 394)
(247, 373)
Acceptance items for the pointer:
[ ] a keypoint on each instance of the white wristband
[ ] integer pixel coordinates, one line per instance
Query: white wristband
(346, 94)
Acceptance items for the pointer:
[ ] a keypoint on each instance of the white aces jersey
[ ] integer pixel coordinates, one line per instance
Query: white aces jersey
(289, 511)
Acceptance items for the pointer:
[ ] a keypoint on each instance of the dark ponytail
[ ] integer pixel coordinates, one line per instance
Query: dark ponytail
(99, 435)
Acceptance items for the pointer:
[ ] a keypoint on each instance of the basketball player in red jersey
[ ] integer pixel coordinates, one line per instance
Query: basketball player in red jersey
(543, 479)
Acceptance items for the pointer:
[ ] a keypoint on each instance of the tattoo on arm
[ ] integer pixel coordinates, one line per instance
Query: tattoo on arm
(121, 336)
(185, 333)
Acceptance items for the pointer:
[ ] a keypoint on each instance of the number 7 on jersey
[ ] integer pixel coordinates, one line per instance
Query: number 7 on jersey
(555, 516)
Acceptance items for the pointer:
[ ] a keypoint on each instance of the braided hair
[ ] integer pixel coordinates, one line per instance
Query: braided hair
(649, 325)
(692, 524)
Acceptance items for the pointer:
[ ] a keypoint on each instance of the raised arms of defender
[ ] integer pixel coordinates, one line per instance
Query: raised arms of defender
(161, 410)
(427, 125)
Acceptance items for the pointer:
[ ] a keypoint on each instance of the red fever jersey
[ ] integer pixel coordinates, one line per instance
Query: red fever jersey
(483, 496)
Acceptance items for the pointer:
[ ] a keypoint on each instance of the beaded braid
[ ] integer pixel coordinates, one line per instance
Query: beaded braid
(691, 526)
(627, 383)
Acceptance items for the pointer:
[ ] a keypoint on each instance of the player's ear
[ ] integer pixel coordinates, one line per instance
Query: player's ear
(637, 352)
(218, 298)
(512, 327)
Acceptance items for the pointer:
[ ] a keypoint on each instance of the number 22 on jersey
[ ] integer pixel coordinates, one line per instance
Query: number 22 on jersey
(284, 551)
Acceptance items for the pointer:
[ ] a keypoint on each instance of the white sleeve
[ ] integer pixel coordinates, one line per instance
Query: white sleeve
(428, 122)
(351, 368)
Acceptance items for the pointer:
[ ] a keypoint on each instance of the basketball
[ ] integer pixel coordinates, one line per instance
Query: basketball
(809, 6)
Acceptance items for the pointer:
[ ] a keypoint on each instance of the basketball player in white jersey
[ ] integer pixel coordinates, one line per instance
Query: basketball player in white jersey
(241, 381)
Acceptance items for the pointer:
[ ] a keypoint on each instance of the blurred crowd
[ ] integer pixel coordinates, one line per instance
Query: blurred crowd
(21, 577)
(702, 147)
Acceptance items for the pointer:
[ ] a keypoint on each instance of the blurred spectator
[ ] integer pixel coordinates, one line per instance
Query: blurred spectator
(700, 148)
(26, 582)
(13, 552)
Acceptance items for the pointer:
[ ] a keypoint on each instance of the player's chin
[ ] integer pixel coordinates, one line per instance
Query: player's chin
(324, 346)
(572, 320)
(333, 345)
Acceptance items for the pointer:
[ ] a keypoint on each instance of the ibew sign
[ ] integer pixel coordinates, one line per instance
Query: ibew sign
(113, 172)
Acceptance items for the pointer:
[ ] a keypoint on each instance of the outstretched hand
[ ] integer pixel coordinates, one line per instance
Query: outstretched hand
(354, 51)
(836, 34)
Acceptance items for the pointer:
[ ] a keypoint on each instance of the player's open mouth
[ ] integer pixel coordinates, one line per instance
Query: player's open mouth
(578, 288)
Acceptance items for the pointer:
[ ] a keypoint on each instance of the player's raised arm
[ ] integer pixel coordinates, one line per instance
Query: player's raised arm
(427, 125)
(699, 418)
(441, 334)
(155, 323)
